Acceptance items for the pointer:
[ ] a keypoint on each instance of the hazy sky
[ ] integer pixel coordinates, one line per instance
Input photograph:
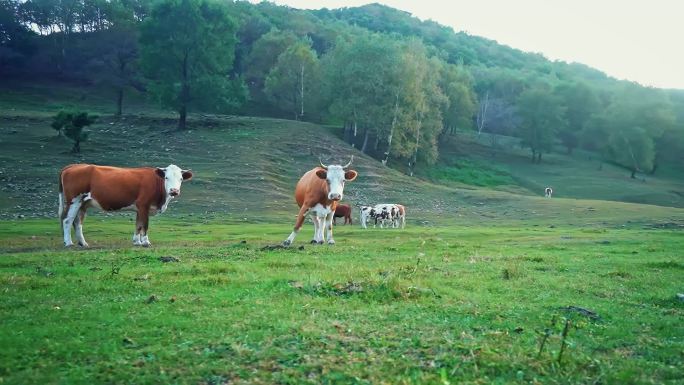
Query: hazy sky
(639, 40)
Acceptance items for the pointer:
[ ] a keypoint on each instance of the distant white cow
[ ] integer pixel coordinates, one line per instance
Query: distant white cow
(548, 192)
(366, 213)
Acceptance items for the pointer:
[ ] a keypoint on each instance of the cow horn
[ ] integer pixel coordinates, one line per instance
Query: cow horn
(350, 162)
(322, 165)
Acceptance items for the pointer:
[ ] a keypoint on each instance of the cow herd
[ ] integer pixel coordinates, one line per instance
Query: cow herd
(148, 191)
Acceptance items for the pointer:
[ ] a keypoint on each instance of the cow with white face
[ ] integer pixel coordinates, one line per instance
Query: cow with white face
(318, 191)
(548, 192)
(147, 190)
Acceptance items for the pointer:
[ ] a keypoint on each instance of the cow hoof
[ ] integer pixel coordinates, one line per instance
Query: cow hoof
(68, 244)
(331, 242)
(83, 244)
(146, 244)
(320, 242)
(287, 243)
(314, 242)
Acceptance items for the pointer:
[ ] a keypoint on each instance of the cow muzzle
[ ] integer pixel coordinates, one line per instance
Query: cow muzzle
(174, 192)
(334, 196)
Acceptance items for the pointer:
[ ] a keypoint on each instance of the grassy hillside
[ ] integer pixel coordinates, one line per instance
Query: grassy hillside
(582, 175)
(246, 167)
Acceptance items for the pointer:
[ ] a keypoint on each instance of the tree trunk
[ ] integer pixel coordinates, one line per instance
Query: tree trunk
(534, 155)
(119, 102)
(185, 95)
(482, 114)
(633, 176)
(347, 132)
(391, 133)
(77, 147)
(539, 155)
(183, 115)
(364, 147)
(301, 98)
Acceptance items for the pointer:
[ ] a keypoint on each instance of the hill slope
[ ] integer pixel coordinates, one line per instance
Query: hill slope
(246, 169)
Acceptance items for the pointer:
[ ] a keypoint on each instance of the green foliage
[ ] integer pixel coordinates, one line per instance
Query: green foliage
(580, 102)
(632, 147)
(457, 85)
(72, 124)
(187, 52)
(541, 117)
(292, 82)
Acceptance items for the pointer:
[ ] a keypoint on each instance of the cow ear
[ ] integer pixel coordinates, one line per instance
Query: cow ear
(322, 174)
(187, 174)
(350, 175)
(160, 172)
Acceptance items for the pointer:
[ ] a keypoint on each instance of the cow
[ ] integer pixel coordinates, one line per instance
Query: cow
(383, 214)
(147, 190)
(399, 216)
(319, 190)
(548, 192)
(366, 213)
(343, 211)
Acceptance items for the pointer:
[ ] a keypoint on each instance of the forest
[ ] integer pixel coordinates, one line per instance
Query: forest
(396, 85)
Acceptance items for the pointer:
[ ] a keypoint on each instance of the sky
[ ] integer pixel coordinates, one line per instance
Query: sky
(637, 40)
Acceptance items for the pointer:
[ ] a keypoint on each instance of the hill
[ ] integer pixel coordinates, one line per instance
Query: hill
(246, 169)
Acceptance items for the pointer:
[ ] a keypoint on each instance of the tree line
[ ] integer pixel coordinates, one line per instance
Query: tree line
(398, 86)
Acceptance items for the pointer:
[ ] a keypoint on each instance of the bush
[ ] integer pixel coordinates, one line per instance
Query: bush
(72, 124)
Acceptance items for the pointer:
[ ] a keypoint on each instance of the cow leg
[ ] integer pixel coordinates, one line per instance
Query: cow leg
(78, 226)
(317, 229)
(71, 214)
(298, 225)
(142, 224)
(329, 227)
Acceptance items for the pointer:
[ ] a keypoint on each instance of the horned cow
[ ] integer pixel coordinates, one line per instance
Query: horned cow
(319, 190)
(147, 190)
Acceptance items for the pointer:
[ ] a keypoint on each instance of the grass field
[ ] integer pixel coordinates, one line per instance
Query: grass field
(445, 304)
(477, 289)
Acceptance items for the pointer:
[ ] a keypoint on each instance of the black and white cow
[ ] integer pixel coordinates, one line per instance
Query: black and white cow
(366, 213)
(548, 192)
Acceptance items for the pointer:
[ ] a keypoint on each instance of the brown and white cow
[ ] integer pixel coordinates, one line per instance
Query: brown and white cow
(400, 216)
(147, 190)
(343, 211)
(319, 190)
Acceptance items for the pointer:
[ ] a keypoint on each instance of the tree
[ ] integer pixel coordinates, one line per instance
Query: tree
(456, 84)
(580, 102)
(73, 124)
(633, 148)
(541, 115)
(264, 56)
(421, 106)
(293, 78)
(187, 52)
(361, 78)
(115, 63)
